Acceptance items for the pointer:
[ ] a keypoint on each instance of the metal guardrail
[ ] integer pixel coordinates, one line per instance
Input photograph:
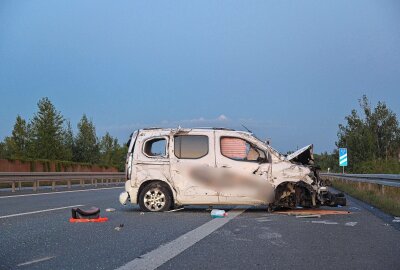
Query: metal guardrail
(392, 180)
(95, 178)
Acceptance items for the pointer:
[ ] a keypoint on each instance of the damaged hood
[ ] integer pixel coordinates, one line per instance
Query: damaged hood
(303, 156)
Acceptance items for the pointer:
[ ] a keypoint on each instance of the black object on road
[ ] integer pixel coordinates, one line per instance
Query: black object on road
(92, 213)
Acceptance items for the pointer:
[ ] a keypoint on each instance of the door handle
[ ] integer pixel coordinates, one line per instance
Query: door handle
(226, 166)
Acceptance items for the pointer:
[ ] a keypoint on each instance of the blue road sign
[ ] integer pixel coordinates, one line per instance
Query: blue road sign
(343, 157)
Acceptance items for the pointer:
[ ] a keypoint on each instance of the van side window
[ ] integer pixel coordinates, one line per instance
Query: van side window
(190, 146)
(241, 150)
(155, 147)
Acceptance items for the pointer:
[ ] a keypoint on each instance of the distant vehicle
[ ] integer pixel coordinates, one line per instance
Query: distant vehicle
(168, 167)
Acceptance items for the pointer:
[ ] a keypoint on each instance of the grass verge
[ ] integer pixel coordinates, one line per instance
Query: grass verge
(387, 201)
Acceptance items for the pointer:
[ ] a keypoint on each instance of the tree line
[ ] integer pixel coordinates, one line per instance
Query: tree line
(48, 135)
(372, 137)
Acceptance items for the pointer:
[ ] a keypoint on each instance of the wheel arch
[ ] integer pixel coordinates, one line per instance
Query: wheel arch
(290, 187)
(164, 183)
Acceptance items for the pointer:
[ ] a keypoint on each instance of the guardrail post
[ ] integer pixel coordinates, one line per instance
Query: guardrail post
(107, 181)
(19, 185)
(34, 186)
(69, 184)
(382, 189)
(53, 185)
(13, 186)
(81, 183)
(102, 181)
(38, 184)
(95, 182)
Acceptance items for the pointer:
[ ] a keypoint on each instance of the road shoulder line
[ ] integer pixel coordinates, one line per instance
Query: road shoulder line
(40, 211)
(56, 192)
(164, 253)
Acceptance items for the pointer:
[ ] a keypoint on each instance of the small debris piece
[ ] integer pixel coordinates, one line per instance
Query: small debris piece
(142, 213)
(396, 220)
(352, 224)
(325, 222)
(216, 213)
(308, 216)
(354, 208)
(110, 210)
(118, 228)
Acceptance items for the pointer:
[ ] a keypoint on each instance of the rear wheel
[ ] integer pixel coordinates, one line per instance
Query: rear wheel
(155, 197)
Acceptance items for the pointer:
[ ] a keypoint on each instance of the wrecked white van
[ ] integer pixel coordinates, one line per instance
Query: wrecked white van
(166, 168)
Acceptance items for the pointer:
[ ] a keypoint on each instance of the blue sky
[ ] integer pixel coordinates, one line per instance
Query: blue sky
(289, 70)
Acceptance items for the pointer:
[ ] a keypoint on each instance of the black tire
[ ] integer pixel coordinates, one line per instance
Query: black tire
(340, 201)
(155, 197)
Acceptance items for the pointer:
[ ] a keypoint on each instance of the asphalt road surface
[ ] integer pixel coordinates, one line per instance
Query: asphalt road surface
(35, 233)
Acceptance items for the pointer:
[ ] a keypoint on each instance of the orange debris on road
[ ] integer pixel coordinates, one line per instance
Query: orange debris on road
(298, 212)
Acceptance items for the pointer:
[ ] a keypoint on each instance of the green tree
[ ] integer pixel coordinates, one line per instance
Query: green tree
(385, 128)
(374, 135)
(20, 138)
(68, 142)
(120, 157)
(108, 148)
(3, 150)
(112, 153)
(86, 147)
(16, 145)
(47, 132)
(327, 160)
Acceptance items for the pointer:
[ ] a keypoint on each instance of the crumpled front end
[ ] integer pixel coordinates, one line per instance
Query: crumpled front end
(297, 185)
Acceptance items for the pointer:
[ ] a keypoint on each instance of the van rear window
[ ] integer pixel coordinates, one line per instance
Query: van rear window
(155, 147)
(190, 146)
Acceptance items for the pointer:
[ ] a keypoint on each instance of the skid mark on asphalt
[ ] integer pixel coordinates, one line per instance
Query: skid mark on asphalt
(272, 237)
(36, 261)
(40, 211)
(263, 219)
(164, 253)
(56, 192)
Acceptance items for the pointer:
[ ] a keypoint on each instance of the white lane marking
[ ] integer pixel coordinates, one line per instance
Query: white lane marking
(325, 222)
(40, 211)
(56, 192)
(36, 261)
(164, 253)
(352, 224)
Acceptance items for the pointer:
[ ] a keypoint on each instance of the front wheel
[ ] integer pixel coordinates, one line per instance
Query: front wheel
(155, 197)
